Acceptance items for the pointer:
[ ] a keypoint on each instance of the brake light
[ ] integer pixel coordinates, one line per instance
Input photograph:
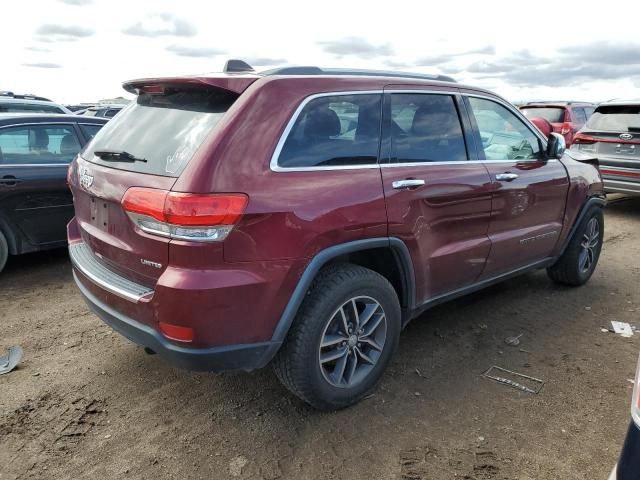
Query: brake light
(176, 332)
(583, 139)
(635, 402)
(565, 128)
(152, 89)
(184, 216)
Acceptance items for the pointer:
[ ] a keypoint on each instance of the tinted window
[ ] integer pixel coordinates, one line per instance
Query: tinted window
(425, 128)
(578, 115)
(165, 129)
(90, 130)
(334, 130)
(38, 144)
(504, 136)
(111, 112)
(615, 118)
(589, 111)
(29, 107)
(550, 114)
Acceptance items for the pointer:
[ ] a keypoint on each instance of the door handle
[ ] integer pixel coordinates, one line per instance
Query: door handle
(506, 177)
(9, 180)
(409, 183)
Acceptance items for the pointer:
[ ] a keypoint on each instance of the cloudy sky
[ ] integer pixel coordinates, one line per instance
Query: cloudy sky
(82, 50)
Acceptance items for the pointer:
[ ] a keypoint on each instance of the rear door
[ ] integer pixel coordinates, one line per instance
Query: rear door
(438, 202)
(162, 129)
(529, 192)
(34, 197)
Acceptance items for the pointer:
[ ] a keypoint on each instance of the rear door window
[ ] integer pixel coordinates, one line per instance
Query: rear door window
(336, 130)
(615, 118)
(425, 128)
(550, 114)
(38, 144)
(504, 136)
(164, 129)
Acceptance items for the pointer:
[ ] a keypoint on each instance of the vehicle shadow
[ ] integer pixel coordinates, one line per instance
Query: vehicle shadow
(46, 263)
(624, 205)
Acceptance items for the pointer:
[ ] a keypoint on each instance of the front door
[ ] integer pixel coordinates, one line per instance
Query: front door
(529, 192)
(438, 202)
(34, 197)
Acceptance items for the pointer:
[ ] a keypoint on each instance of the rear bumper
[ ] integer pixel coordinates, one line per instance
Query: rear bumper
(229, 357)
(621, 186)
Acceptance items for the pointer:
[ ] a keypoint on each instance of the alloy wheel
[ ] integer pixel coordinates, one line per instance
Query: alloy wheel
(352, 341)
(590, 240)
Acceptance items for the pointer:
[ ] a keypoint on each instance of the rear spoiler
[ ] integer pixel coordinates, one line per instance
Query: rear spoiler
(233, 83)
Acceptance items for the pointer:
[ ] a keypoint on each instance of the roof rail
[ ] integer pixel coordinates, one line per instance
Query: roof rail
(26, 96)
(309, 70)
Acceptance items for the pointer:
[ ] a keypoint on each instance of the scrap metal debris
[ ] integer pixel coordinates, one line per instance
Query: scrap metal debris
(535, 388)
(513, 341)
(11, 360)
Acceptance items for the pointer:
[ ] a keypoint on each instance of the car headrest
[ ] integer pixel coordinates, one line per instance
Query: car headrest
(69, 145)
(434, 119)
(38, 139)
(321, 124)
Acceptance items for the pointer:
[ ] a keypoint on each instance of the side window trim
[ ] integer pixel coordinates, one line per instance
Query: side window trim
(273, 164)
(542, 142)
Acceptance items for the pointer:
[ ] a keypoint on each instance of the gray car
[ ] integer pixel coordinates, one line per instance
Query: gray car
(612, 134)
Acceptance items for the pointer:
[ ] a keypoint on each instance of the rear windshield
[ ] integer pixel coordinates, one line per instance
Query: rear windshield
(29, 107)
(550, 114)
(615, 118)
(163, 129)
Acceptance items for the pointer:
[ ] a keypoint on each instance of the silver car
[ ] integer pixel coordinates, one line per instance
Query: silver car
(612, 134)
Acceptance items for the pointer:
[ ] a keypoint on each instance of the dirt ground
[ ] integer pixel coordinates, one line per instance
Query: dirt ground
(86, 403)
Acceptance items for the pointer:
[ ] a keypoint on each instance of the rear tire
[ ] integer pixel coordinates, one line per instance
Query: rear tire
(579, 260)
(342, 338)
(4, 251)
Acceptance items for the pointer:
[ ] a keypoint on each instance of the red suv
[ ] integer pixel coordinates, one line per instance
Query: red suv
(566, 118)
(301, 217)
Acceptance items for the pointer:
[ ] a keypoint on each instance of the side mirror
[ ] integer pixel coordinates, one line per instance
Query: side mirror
(555, 145)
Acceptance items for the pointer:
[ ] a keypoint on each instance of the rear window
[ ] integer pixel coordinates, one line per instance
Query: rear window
(165, 130)
(29, 107)
(615, 118)
(550, 114)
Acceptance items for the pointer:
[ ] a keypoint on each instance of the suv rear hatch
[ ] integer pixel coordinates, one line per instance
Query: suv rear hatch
(135, 160)
(613, 135)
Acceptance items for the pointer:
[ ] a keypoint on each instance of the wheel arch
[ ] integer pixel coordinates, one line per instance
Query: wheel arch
(373, 253)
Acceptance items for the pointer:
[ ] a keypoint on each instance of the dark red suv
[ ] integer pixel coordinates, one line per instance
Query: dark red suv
(301, 217)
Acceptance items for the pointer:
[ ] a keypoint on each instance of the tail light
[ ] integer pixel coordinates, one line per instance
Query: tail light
(635, 402)
(585, 143)
(565, 128)
(583, 139)
(184, 216)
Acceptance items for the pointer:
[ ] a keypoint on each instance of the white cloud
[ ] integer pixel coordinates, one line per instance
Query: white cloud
(102, 43)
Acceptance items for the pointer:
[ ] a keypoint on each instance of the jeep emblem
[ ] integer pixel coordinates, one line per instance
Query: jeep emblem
(86, 180)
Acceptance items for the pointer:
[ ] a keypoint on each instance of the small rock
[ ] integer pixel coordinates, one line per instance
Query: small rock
(37, 374)
(481, 439)
(237, 464)
(587, 308)
(107, 436)
(417, 394)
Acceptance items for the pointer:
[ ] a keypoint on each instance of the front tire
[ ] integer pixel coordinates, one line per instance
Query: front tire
(579, 260)
(342, 339)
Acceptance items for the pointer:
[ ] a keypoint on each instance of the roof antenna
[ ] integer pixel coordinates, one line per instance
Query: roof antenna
(237, 66)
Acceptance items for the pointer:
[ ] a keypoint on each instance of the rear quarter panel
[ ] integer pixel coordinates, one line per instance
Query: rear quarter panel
(291, 214)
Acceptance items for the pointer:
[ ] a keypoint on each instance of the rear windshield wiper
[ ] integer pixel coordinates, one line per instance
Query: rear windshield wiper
(633, 129)
(118, 156)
